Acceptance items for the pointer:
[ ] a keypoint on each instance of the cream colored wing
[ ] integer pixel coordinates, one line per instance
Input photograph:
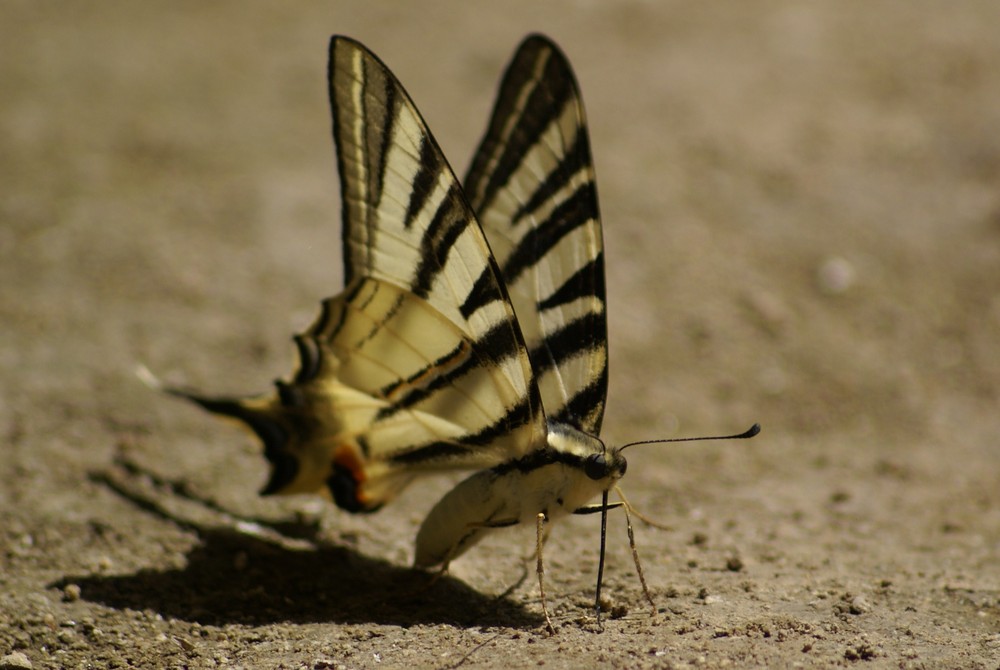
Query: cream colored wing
(419, 364)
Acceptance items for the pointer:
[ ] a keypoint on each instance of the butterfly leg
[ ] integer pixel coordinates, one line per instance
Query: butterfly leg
(624, 504)
(471, 530)
(642, 517)
(638, 564)
(540, 533)
(627, 506)
(545, 539)
(438, 574)
(456, 548)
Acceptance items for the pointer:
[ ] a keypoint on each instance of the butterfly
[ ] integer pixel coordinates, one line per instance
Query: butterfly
(471, 333)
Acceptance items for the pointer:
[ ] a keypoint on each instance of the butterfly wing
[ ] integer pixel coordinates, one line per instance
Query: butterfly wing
(407, 224)
(419, 363)
(532, 186)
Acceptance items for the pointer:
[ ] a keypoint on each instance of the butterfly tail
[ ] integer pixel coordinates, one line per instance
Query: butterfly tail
(258, 414)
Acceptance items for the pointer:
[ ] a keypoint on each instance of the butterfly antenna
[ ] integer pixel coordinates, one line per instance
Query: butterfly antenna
(745, 435)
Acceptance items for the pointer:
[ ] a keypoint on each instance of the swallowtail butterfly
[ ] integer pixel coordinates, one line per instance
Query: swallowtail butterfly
(471, 333)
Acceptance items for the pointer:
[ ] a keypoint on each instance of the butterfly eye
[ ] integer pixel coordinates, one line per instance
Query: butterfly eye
(624, 467)
(596, 467)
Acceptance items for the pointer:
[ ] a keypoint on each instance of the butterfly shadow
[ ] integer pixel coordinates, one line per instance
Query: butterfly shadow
(235, 577)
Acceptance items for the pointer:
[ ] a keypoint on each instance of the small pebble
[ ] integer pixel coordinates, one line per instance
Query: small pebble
(859, 605)
(835, 275)
(71, 593)
(15, 661)
(772, 311)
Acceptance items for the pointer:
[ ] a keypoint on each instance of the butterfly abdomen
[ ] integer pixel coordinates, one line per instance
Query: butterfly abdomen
(552, 480)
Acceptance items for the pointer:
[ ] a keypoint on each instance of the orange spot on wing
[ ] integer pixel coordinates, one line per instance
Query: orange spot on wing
(348, 456)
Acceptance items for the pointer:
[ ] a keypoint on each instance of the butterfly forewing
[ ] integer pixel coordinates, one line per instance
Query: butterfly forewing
(531, 184)
(426, 324)
(405, 219)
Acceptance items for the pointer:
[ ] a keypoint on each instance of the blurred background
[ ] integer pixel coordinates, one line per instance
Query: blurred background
(802, 216)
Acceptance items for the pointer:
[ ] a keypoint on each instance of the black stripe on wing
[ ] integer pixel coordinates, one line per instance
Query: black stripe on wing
(566, 218)
(449, 222)
(586, 406)
(515, 416)
(588, 281)
(575, 159)
(492, 350)
(578, 336)
(431, 166)
(406, 219)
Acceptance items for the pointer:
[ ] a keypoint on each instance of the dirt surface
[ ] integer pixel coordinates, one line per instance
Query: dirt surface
(802, 211)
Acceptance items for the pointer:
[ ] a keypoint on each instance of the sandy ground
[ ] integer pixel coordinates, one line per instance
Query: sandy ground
(802, 211)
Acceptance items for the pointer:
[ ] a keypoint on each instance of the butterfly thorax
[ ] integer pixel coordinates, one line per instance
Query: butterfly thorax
(588, 466)
(588, 452)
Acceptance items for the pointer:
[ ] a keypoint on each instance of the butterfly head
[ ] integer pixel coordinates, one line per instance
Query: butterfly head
(608, 463)
(597, 461)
